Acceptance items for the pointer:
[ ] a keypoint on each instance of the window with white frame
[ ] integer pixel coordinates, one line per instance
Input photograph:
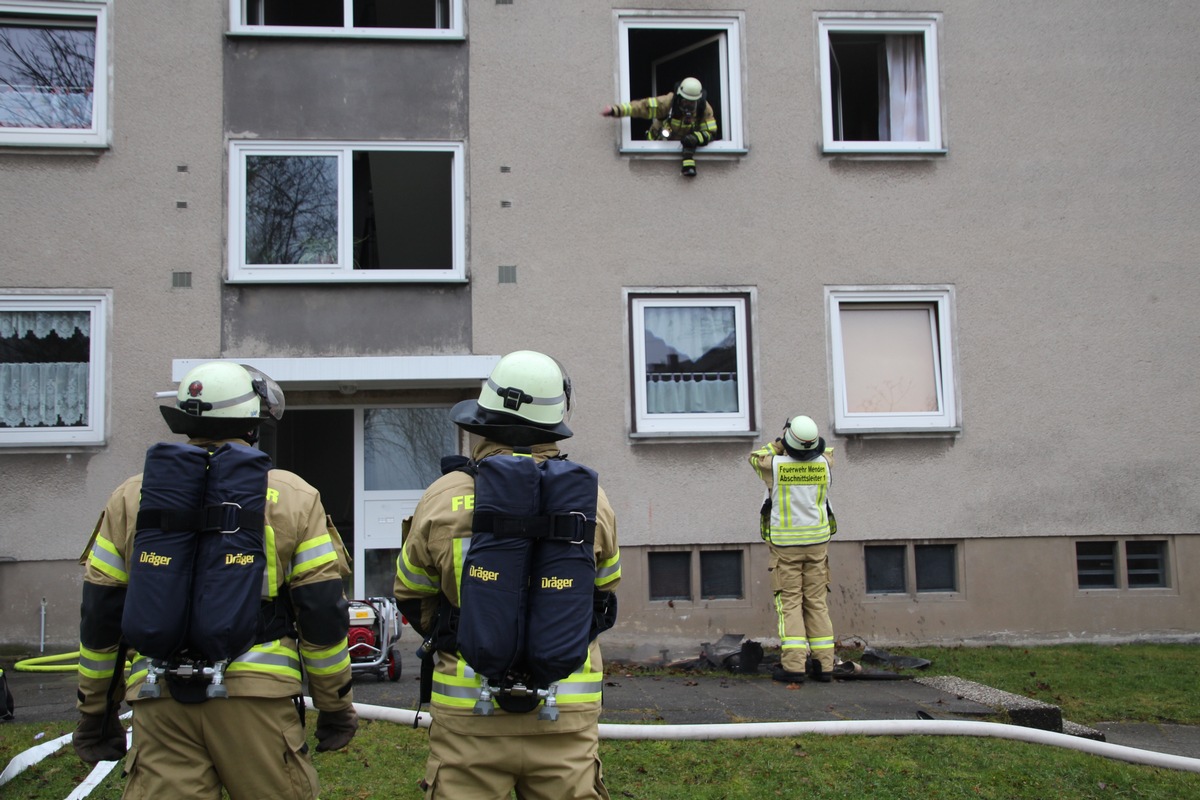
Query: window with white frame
(690, 351)
(52, 368)
(658, 49)
(392, 19)
(54, 73)
(879, 82)
(319, 211)
(893, 359)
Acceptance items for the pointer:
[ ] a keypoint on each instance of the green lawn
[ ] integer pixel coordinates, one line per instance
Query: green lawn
(1091, 684)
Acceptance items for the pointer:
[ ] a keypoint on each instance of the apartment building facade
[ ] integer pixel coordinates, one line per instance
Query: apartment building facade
(961, 238)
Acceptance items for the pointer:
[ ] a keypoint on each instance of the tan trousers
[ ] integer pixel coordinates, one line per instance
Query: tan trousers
(800, 581)
(253, 746)
(549, 766)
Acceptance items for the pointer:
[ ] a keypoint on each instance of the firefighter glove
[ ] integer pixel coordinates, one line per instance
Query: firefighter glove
(99, 737)
(690, 140)
(335, 729)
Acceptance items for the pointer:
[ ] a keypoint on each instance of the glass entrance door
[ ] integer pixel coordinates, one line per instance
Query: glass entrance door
(400, 450)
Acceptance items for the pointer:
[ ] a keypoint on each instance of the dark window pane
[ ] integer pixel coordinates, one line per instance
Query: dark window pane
(403, 210)
(936, 567)
(721, 574)
(671, 576)
(47, 75)
(1146, 564)
(306, 13)
(291, 209)
(411, 14)
(1096, 565)
(885, 569)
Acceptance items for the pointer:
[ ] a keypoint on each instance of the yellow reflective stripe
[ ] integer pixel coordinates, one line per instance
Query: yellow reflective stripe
(822, 643)
(104, 557)
(608, 570)
(414, 577)
(312, 554)
(329, 661)
(271, 657)
(94, 664)
(271, 576)
(461, 546)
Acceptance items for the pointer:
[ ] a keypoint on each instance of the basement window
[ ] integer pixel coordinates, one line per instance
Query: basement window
(394, 19)
(1130, 564)
(718, 572)
(934, 568)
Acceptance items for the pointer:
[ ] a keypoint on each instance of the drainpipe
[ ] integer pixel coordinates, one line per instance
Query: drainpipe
(42, 645)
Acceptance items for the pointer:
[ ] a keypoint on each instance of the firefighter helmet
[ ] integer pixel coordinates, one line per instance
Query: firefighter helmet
(221, 399)
(524, 401)
(690, 89)
(801, 433)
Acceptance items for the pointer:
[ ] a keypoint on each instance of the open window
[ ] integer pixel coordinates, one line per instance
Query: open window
(52, 368)
(659, 49)
(319, 211)
(893, 357)
(392, 19)
(880, 83)
(691, 364)
(54, 73)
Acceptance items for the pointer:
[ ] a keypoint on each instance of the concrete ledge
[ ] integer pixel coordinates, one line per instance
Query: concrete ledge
(1023, 711)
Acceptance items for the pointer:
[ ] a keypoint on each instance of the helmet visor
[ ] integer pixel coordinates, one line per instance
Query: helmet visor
(268, 392)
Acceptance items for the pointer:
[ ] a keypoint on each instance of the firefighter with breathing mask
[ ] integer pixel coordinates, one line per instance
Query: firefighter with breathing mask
(221, 579)
(508, 567)
(796, 523)
(683, 115)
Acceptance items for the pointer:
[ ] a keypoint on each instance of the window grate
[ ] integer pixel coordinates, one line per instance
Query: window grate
(1096, 565)
(508, 273)
(181, 280)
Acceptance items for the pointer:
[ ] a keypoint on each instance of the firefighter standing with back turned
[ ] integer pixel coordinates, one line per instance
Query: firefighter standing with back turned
(683, 115)
(796, 523)
(237, 723)
(492, 733)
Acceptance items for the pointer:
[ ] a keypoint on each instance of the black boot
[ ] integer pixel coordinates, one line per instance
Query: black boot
(778, 673)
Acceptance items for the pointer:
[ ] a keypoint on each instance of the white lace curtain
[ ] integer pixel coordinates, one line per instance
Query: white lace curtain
(43, 394)
(902, 107)
(691, 331)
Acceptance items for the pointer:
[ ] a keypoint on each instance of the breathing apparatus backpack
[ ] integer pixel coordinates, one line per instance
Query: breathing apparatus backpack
(526, 596)
(197, 565)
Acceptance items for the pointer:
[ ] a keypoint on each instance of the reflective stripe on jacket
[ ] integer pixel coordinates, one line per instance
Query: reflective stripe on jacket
(798, 491)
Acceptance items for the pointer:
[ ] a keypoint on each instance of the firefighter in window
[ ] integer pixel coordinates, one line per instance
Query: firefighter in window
(507, 570)
(220, 578)
(683, 115)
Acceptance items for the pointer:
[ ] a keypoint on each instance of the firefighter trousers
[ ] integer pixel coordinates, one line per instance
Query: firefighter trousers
(253, 746)
(800, 582)
(545, 766)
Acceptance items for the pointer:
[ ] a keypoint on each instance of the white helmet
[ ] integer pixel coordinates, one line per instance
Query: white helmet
(222, 399)
(690, 89)
(801, 433)
(524, 401)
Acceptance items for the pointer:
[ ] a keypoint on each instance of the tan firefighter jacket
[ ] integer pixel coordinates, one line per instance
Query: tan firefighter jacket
(658, 110)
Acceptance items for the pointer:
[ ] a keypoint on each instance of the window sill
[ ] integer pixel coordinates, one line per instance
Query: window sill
(727, 154)
(283, 32)
(940, 433)
(691, 437)
(876, 155)
(54, 148)
(293, 278)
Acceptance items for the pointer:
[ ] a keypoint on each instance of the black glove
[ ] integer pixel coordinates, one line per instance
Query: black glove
(99, 737)
(335, 729)
(690, 140)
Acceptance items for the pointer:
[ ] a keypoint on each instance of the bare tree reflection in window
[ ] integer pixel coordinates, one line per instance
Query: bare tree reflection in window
(47, 76)
(403, 447)
(291, 210)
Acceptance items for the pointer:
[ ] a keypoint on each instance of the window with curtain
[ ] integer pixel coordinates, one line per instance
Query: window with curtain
(879, 83)
(53, 73)
(51, 370)
(893, 359)
(691, 362)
